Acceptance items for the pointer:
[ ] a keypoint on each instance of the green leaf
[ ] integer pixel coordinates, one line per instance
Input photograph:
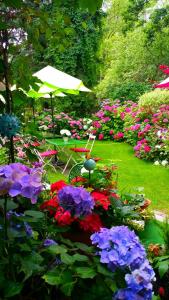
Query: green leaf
(10, 204)
(30, 264)
(56, 249)
(103, 270)
(34, 214)
(53, 277)
(67, 259)
(86, 272)
(80, 257)
(12, 288)
(163, 268)
(67, 288)
(84, 247)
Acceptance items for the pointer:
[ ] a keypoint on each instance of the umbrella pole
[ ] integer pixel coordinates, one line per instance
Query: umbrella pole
(33, 109)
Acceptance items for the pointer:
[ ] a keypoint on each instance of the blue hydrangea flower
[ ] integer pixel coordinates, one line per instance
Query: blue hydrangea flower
(49, 242)
(76, 200)
(18, 179)
(9, 125)
(120, 249)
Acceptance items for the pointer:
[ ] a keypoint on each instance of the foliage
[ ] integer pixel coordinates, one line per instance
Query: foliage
(73, 49)
(135, 42)
(153, 100)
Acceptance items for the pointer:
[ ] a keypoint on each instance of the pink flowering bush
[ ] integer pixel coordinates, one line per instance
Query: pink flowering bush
(146, 130)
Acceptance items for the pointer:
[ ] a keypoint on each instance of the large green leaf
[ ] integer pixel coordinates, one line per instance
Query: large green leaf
(56, 249)
(30, 264)
(86, 272)
(163, 268)
(67, 259)
(53, 277)
(80, 257)
(34, 214)
(12, 288)
(10, 204)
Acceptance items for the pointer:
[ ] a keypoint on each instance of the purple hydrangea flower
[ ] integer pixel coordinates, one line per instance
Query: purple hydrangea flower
(49, 242)
(120, 249)
(76, 200)
(18, 179)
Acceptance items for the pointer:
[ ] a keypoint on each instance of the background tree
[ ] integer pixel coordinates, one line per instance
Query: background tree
(137, 43)
(73, 49)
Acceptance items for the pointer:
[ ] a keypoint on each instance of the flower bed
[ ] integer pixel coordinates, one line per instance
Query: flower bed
(47, 244)
(146, 130)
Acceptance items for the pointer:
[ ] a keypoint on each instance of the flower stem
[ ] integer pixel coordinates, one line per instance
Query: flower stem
(5, 219)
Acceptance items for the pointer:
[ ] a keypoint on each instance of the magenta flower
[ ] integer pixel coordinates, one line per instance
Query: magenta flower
(101, 136)
(147, 148)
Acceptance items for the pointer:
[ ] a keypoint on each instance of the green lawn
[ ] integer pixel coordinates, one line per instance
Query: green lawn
(133, 173)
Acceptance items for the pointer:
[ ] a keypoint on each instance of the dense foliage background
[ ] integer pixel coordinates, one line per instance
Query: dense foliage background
(134, 43)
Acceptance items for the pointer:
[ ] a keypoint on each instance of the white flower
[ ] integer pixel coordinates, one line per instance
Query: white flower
(65, 132)
(89, 121)
(91, 127)
(158, 146)
(159, 133)
(85, 127)
(156, 163)
(164, 162)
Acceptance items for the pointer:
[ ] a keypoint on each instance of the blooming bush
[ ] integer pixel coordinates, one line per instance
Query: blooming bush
(46, 249)
(120, 249)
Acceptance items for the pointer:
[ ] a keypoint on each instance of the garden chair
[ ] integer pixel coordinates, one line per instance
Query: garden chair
(46, 157)
(87, 149)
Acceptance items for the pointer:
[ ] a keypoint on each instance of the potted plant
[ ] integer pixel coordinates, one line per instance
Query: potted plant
(65, 134)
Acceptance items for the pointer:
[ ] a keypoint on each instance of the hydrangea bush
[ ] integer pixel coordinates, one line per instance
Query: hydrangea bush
(146, 130)
(120, 249)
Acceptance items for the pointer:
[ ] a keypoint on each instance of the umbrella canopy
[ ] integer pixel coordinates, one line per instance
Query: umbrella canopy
(54, 79)
(164, 84)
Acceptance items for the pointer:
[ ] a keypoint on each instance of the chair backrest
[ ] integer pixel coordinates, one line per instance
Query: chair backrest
(39, 156)
(90, 142)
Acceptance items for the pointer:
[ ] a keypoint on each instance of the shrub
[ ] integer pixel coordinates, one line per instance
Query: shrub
(153, 100)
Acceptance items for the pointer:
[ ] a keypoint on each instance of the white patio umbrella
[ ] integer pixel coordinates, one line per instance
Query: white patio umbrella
(58, 80)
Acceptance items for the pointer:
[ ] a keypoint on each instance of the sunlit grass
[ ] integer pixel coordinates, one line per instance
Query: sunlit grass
(133, 173)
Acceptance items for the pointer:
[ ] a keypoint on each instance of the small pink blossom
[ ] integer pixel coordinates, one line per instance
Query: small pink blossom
(101, 136)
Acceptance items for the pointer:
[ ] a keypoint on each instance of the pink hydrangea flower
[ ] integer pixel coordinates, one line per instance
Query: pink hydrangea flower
(101, 136)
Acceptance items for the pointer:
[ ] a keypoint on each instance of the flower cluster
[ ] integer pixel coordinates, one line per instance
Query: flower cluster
(18, 179)
(75, 204)
(76, 200)
(65, 132)
(120, 249)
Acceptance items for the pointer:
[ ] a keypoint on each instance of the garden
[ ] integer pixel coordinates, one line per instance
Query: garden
(84, 150)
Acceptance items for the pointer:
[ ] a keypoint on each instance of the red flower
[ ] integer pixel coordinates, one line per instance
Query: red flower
(161, 67)
(57, 185)
(161, 291)
(166, 71)
(63, 217)
(101, 199)
(50, 205)
(78, 179)
(91, 223)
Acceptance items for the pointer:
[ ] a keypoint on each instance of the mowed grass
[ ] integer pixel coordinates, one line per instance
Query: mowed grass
(133, 173)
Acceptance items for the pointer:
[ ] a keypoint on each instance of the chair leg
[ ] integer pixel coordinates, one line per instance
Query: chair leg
(70, 157)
